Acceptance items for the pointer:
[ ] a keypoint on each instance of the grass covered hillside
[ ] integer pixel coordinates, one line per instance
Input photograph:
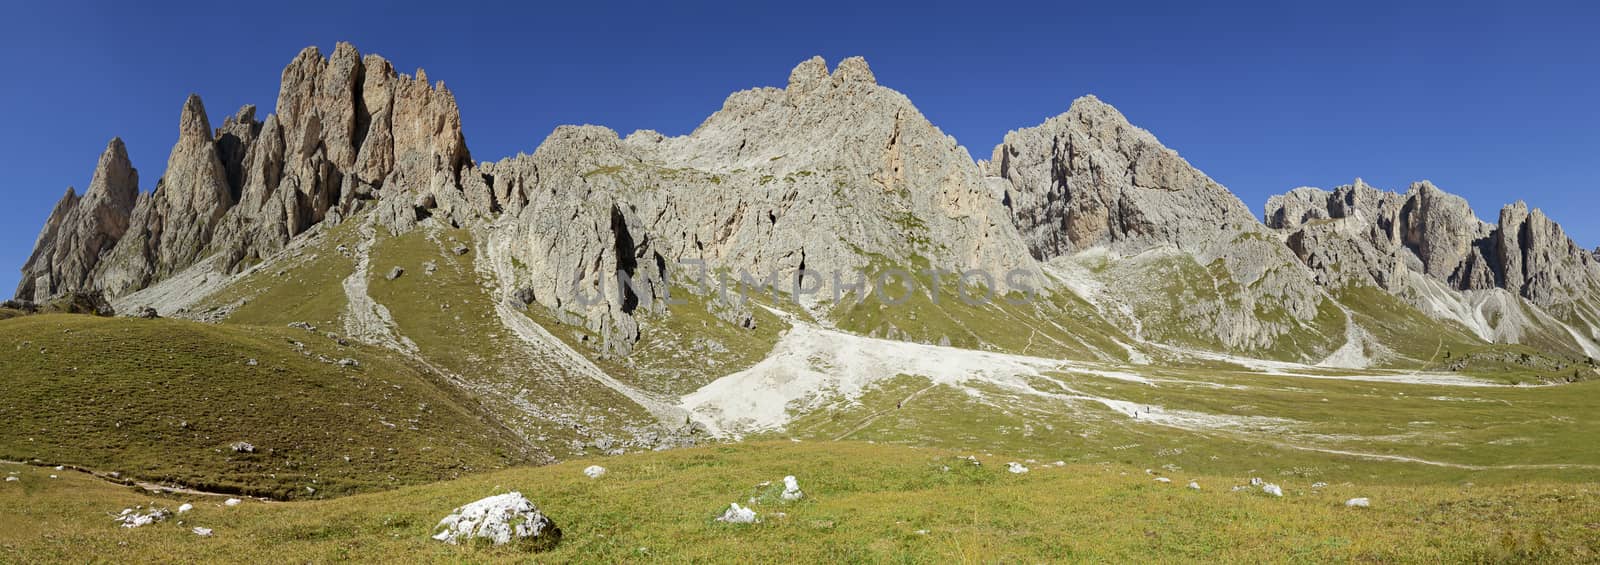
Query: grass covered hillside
(863, 503)
(166, 400)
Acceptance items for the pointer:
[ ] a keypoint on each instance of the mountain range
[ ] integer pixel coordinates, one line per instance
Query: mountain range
(555, 286)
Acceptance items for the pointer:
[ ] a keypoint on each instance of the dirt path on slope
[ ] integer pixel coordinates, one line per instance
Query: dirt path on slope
(146, 485)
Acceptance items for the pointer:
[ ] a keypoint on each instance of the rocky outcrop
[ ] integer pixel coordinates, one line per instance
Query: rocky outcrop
(832, 174)
(346, 130)
(1357, 234)
(80, 230)
(1089, 179)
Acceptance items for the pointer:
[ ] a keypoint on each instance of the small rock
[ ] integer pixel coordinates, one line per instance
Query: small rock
(791, 489)
(132, 519)
(242, 447)
(395, 273)
(1163, 480)
(1194, 485)
(1319, 485)
(251, 363)
(202, 532)
(185, 508)
(595, 471)
(232, 502)
(460, 249)
(1358, 503)
(12, 479)
(738, 515)
(1272, 489)
(348, 362)
(1016, 468)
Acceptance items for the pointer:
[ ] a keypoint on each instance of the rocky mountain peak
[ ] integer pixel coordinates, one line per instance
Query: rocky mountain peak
(194, 122)
(1089, 178)
(1432, 232)
(854, 69)
(808, 74)
(81, 228)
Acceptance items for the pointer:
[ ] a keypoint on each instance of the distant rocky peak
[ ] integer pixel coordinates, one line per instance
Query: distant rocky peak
(1434, 232)
(193, 123)
(1088, 178)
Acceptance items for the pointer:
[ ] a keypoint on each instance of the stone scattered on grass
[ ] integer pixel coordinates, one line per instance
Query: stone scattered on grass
(232, 502)
(1272, 489)
(242, 447)
(791, 489)
(1319, 485)
(1194, 485)
(1163, 480)
(1358, 503)
(738, 515)
(131, 519)
(202, 532)
(595, 471)
(499, 520)
(185, 508)
(395, 273)
(1016, 467)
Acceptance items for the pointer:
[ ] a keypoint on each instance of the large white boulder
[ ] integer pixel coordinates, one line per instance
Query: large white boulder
(499, 520)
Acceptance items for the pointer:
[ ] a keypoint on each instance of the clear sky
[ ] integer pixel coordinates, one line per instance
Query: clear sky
(1496, 101)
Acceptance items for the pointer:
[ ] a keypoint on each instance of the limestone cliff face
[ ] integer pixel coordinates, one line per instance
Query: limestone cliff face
(1089, 179)
(80, 230)
(347, 130)
(1357, 234)
(832, 174)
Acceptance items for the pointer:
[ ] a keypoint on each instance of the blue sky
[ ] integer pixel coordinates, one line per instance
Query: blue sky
(1496, 101)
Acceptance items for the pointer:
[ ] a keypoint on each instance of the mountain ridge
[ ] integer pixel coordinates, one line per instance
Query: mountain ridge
(872, 182)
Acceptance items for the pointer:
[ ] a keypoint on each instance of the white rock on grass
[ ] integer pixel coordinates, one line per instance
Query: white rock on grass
(1163, 480)
(738, 515)
(232, 502)
(12, 479)
(202, 532)
(595, 471)
(132, 519)
(185, 508)
(1194, 485)
(498, 519)
(1016, 467)
(1358, 503)
(1272, 489)
(791, 489)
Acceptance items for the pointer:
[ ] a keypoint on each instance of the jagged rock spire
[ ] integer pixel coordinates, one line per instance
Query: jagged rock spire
(81, 229)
